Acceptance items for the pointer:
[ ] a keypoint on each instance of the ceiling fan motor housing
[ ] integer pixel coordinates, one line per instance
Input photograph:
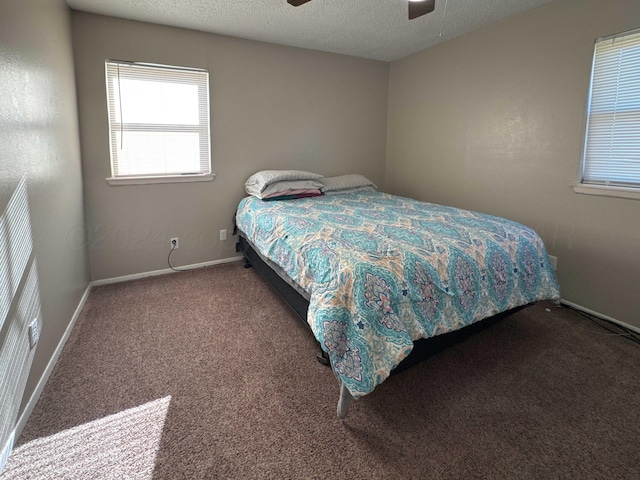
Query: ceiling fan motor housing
(417, 8)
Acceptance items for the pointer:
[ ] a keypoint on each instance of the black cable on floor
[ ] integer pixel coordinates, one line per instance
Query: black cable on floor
(603, 323)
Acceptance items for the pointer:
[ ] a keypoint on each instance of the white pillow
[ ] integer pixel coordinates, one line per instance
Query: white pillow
(350, 190)
(261, 180)
(345, 182)
(279, 187)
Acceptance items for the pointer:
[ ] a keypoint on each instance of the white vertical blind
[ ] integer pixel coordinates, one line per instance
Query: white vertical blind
(158, 120)
(19, 305)
(612, 142)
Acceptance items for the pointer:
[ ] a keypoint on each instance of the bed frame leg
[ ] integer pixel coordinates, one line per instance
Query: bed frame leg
(323, 358)
(344, 402)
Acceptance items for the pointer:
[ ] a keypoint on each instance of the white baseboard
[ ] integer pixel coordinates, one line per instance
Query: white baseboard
(164, 271)
(6, 450)
(52, 362)
(599, 315)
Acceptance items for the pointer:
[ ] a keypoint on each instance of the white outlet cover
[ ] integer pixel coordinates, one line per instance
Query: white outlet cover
(34, 333)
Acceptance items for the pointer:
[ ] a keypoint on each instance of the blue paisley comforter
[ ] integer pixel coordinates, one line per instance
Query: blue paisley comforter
(382, 271)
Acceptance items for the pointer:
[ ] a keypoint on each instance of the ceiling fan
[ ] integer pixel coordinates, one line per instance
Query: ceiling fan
(417, 8)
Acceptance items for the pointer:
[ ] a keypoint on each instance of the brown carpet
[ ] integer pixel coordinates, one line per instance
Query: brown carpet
(207, 374)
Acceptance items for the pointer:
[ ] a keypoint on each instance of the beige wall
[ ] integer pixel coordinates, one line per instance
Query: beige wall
(39, 141)
(271, 107)
(493, 121)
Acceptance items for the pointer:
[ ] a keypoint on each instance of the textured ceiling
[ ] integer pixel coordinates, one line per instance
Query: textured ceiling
(376, 29)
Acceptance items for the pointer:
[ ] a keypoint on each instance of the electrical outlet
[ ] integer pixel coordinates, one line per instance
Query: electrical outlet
(34, 333)
(223, 235)
(554, 262)
(175, 243)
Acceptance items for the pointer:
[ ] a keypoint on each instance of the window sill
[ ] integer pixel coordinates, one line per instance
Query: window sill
(207, 177)
(606, 191)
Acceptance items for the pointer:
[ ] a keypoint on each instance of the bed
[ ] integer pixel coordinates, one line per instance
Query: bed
(380, 272)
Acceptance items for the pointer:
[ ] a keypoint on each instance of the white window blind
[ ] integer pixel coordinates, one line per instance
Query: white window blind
(158, 120)
(612, 142)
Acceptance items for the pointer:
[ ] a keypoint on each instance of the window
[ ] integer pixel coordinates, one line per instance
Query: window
(611, 158)
(158, 123)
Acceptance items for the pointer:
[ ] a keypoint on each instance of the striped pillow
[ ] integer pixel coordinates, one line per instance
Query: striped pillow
(350, 190)
(261, 180)
(345, 182)
(279, 187)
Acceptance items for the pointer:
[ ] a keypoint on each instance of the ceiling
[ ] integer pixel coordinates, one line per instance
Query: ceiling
(375, 29)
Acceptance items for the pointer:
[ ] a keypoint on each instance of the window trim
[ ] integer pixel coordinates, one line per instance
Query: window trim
(595, 187)
(183, 177)
(142, 180)
(607, 191)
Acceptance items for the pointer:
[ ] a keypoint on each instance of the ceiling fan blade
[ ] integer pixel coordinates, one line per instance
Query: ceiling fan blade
(417, 9)
(297, 3)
